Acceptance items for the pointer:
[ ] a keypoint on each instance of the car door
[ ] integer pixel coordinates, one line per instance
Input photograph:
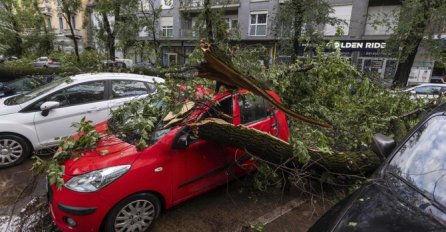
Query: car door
(203, 163)
(76, 102)
(122, 91)
(252, 111)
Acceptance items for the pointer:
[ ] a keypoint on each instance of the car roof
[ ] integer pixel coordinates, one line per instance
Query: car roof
(119, 76)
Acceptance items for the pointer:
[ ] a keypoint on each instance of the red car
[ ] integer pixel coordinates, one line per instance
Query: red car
(127, 189)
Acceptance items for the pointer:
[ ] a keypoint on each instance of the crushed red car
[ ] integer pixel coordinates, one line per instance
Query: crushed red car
(127, 189)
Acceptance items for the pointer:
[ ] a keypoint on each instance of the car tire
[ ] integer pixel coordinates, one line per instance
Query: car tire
(13, 150)
(146, 208)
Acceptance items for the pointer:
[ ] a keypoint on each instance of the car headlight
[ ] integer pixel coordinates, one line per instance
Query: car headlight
(95, 180)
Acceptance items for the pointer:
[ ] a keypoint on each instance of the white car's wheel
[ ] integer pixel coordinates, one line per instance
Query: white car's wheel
(13, 150)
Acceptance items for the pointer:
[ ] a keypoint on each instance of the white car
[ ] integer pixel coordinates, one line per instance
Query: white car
(46, 62)
(427, 91)
(32, 121)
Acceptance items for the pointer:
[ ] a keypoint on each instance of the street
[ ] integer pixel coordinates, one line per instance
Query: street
(227, 208)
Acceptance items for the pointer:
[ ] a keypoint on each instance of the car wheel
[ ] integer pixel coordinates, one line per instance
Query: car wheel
(13, 150)
(135, 213)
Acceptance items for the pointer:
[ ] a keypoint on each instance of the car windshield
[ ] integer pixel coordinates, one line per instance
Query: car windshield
(38, 91)
(421, 161)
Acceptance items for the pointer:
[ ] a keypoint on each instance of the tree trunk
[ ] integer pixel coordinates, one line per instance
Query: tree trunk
(110, 37)
(73, 36)
(267, 147)
(410, 45)
(208, 21)
(297, 27)
(405, 65)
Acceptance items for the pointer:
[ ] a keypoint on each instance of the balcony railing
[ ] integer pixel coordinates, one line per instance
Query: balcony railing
(197, 4)
(188, 34)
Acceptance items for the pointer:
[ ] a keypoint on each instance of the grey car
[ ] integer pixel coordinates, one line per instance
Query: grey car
(46, 62)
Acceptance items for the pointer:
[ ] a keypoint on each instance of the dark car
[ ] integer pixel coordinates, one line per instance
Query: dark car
(408, 191)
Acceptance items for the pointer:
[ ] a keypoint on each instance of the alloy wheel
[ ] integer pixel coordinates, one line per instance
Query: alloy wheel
(135, 216)
(10, 151)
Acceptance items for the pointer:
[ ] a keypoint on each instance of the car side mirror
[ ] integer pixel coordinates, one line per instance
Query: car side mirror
(182, 141)
(382, 145)
(47, 106)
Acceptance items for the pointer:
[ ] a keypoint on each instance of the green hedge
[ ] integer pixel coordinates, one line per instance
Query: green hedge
(8, 72)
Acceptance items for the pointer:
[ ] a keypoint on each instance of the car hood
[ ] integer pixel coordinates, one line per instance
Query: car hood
(109, 152)
(375, 207)
(8, 109)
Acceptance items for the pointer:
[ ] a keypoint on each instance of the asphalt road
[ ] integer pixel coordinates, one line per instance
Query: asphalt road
(227, 208)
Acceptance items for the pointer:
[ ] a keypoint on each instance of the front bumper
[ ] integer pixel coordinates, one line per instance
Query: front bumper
(87, 210)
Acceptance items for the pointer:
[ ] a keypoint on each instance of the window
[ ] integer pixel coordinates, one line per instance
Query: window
(231, 23)
(222, 110)
(428, 90)
(59, 3)
(124, 88)
(381, 20)
(73, 21)
(252, 108)
(421, 161)
(257, 23)
(166, 26)
(48, 22)
(61, 23)
(342, 13)
(166, 4)
(79, 94)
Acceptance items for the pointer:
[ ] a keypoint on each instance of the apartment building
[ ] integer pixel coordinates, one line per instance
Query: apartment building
(57, 23)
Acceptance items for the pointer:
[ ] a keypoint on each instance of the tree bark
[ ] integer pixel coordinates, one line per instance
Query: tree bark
(110, 37)
(297, 27)
(67, 17)
(269, 148)
(409, 46)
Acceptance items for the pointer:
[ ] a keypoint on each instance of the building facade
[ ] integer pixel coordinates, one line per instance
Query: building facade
(250, 23)
(56, 22)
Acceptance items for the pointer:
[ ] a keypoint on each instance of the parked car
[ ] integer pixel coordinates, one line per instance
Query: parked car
(429, 91)
(46, 62)
(22, 85)
(144, 64)
(127, 189)
(113, 64)
(438, 79)
(408, 191)
(31, 121)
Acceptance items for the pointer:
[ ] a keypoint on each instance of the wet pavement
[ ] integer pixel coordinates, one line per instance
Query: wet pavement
(227, 208)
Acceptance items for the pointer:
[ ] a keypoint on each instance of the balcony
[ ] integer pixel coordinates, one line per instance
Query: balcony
(45, 9)
(188, 34)
(67, 32)
(197, 5)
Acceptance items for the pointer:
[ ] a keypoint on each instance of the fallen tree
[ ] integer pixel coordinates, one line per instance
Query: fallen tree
(268, 147)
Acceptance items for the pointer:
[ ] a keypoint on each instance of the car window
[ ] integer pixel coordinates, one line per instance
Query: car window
(252, 108)
(428, 90)
(222, 110)
(79, 94)
(421, 161)
(39, 91)
(126, 88)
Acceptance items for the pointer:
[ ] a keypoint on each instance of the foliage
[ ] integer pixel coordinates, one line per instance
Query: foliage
(135, 120)
(71, 147)
(23, 29)
(335, 92)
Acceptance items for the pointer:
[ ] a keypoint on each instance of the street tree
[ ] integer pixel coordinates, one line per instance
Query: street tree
(299, 20)
(149, 18)
(117, 24)
(420, 23)
(69, 9)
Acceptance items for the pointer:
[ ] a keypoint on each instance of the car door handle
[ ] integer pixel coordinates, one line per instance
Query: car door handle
(93, 109)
